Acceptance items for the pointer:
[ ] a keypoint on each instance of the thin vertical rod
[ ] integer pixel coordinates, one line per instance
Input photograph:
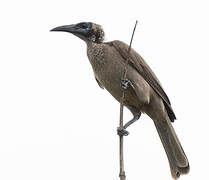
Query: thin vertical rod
(122, 171)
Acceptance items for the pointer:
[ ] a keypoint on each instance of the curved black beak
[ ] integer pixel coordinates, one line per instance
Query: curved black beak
(81, 30)
(67, 28)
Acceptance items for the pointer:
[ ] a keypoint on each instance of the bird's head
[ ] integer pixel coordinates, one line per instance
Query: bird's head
(86, 31)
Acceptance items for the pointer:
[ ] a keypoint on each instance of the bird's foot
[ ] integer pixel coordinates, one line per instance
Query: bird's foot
(122, 131)
(125, 83)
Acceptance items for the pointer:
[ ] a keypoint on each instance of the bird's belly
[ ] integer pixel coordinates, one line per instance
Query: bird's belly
(109, 68)
(110, 77)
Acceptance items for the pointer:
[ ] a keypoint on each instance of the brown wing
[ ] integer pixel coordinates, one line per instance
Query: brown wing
(137, 62)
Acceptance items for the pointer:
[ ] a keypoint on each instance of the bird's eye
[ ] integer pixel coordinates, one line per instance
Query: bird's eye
(83, 25)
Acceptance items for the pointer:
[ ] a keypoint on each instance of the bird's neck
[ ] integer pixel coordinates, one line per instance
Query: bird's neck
(95, 52)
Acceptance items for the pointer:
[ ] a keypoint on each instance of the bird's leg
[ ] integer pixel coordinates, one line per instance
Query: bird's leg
(125, 83)
(122, 131)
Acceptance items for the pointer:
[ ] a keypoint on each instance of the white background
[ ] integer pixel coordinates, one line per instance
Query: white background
(57, 124)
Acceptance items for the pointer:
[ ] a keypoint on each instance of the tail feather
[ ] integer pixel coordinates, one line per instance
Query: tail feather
(177, 159)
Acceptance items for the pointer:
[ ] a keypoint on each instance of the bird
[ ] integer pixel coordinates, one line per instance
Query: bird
(143, 90)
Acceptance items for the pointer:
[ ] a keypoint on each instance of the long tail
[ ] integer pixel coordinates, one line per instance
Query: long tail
(178, 161)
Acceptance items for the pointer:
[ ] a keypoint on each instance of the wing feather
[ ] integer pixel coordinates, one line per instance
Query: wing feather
(137, 62)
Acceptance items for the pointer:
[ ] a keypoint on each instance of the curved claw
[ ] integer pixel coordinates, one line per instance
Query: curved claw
(125, 83)
(122, 132)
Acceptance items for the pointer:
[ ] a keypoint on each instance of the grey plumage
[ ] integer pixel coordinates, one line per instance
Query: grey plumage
(146, 95)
